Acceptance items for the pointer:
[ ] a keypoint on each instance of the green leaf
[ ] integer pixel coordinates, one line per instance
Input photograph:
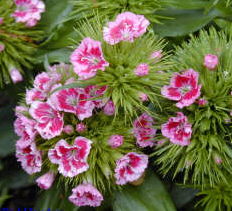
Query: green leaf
(54, 199)
(56, 13)
(151, 195)
(184, 21)
(8, 136)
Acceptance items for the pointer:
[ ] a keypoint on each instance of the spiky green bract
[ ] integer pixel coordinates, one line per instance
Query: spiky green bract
(208, 158)
(216, 198)
(19, 42)
(102, 158)
(123, 85)
(111, 8)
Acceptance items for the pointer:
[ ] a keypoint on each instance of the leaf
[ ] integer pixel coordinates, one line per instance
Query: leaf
(56, 13)
(151, 195)
(184, 21)
(54, 200)
(182, 195)
(8, 136)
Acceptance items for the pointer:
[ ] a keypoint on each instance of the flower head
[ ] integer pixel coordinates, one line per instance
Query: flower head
(142, 70)
(115, 141)
(143, 130)
(74, 100)
(15, 75)
(46, 180)
(86, 195)
(72, 159)
(88, 58)
(28, 11)
(130, 167)
(109, 108)
(30, 158)
(178, 130)
(2, 47)
(184, 88)
(81, 127)
(49, 122)
(211, 61)
(143, 97)
(126, 27)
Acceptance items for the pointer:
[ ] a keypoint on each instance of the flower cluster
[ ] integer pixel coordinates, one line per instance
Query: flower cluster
(62, 131)
(28, 11)
(202, 123)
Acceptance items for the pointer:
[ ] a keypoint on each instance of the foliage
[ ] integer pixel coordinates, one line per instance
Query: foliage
(19, 41)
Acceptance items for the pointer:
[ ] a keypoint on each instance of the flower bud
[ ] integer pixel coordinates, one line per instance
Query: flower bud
(46, 180)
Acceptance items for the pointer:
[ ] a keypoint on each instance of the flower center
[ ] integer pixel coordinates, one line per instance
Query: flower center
(185, 89)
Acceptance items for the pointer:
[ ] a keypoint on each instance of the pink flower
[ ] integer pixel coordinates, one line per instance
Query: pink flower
(30, 158)
(15, 75)
(44, 82)
(34, 95)
(68, 129)
(115, 141)
(88, 58)
(46, 180)
(74, 100)
(184, 88)
(49, 121)
(97, 92)
(130, 167)
(86, 195)
(25, 128)
(20, 110)
(109, 108)
(81, 127)
(218, 159)
(178, 130)
(143, 130)
(72, 159)
(1, 20)
(2, 47)
(202, 102)
(28, 11)
(156, 55)
(126, 27)
(142, 70)
(143, 97)
(211, 61)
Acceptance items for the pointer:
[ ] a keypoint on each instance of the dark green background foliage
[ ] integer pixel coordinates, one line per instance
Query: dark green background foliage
(172, 20)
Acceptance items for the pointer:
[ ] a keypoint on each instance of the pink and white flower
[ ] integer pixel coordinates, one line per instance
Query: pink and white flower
(115, 141)
(74, 100)
(81, 127)
(130, 167)
(143, 130)
(68, 129)
(30, 158)
(178, 130)
(142, 70)
(44, 82)
(15, 75)
(97, 92)
(45, 181)
(109, 108)
(88, 58)
(49, 122)
(1, 21)
(126, 27)
(2, 47)
(156, 55)
(34, 95)
(72, 159)
(143, 97)
(211, 61)
(28, 11)
(25, 128)
(184, 88)
(86, 195)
